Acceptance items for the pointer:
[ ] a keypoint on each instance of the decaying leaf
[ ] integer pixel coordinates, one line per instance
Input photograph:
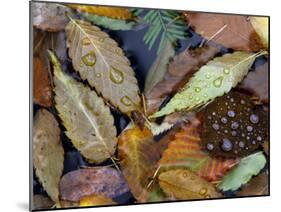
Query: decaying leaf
(232, 31)
(49, 16)
(88, 121)
(95, 200)
(261, 25)
(41, 202)
(184, 185)
(47, 152)
(180, 70)
(242, 174)
(256, 82)
(212, 80)
(184, 151)
(257, 186)
(104, 181)
(99, 60)
(112, 12)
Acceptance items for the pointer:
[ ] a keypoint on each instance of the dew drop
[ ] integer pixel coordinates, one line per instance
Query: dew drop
(209, 117)
(210, 146)
(226, 71)
(234, 125)
(217, 82)
(233, 133)
(231, 113)
(197, 99)
(225, 131)
(243, 135)
(116, 75)
(190, 96)
(86, 41)
(232, 100)
(197, 89)
(248, 138)
(216, 126)
(249, 128)
(242, 102)
(98, 75)
(259, 138)
(226, 145)
(208, 75)
(254, 142)
(203, 191)
(241, 144)
(125, 100)
(254, 119)
(89, 59)
(214, 113)
(224, 120)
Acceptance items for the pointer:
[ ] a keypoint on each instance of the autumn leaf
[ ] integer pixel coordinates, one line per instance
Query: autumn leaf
(105, 181)
(242, 174)
(261, 25)
(212, 80)
(49, 16)
(88, 121)
(232, 31)
(99, 60)
(48, 153)
(41, 202)
(112, 12)
(184, 185)
(95, 200)
(180, 70)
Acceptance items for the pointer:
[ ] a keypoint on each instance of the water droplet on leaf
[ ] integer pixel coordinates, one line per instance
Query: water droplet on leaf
(116, 75)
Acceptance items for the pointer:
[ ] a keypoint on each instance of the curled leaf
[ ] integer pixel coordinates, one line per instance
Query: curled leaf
(212, 80)
(104, 181)
(95, 200)
(261, 25)
(47, 152)
(88, 121)
(99, 60)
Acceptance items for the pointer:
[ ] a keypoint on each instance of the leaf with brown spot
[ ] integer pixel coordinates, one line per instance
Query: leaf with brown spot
(96, 200)
(232, 31)
(104, 181)
(48, 153)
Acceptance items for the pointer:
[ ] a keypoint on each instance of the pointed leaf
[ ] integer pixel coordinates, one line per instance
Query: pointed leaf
(88, 121)
(261, 25)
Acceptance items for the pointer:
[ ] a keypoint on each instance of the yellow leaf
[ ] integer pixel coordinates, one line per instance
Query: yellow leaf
(261, 26)
(95, 200)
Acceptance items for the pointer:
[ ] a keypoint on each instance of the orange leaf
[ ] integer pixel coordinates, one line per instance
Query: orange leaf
(95, 200)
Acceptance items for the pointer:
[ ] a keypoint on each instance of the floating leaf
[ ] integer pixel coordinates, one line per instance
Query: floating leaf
(256, 82)
(87, 120)
(103, 181)
(242, 174)
(112, 12)
(41, 202)
(232, 31)
(99, 60)
(184, 151)
(261, 25)
(49, 16)
(180, 70)
(159, 67)
(95, 200)
(47, 152)
(212, 80)
(184, 185)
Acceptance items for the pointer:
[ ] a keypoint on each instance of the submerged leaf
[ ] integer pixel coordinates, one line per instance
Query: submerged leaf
(182, 184)
(99, 60)
(103, 181)
(88, 121)
(48, 152)
(95, 200)
(212, 80)
(242, 174)
(261, 25)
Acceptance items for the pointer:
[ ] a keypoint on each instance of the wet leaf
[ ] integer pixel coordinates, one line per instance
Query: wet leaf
(242, 174)
(112, 12)
(183, 184)
(49, 16)
(47, 152)
(232, 31)
(88, 121)
(104, 181)
(95, 200)
(261, 25)
(256, 82)
(42, 202)
(180, 70)
(99, 60)
(184, 151)
(212, 80)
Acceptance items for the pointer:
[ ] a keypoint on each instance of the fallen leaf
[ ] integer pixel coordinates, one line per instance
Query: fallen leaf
(49, 16)
(242, 174)
(212, 80)
(48, 153)
(88, 121)
(232, 31)
(41, 202)
(104, 181)
(95, 200)
(99, 60)
(185, 185)
(261, 25)
(69, 204)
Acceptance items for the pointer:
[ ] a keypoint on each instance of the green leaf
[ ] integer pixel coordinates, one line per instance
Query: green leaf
(159, 67)
(87, 120)
(242, 174)
(214, 79)
(109, 23)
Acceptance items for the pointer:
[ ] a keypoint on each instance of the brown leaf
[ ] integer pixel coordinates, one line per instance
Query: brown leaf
(95, 200)
(232, 31)
(256, 82)
(41, 202)
(180, 70)
(49, 16)
(104, 181)
(257, 186)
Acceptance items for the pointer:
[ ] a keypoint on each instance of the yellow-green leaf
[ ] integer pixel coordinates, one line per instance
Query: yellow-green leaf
(261, 25)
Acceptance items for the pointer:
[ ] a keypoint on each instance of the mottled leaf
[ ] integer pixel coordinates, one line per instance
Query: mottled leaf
(95, 200)
(184, 185)
(99, 60)
(88, 121)
(212, 80)
(103, 181)
(232, 31)
(41, 202)
(242, 174)
(261, 25)
(47, 152)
